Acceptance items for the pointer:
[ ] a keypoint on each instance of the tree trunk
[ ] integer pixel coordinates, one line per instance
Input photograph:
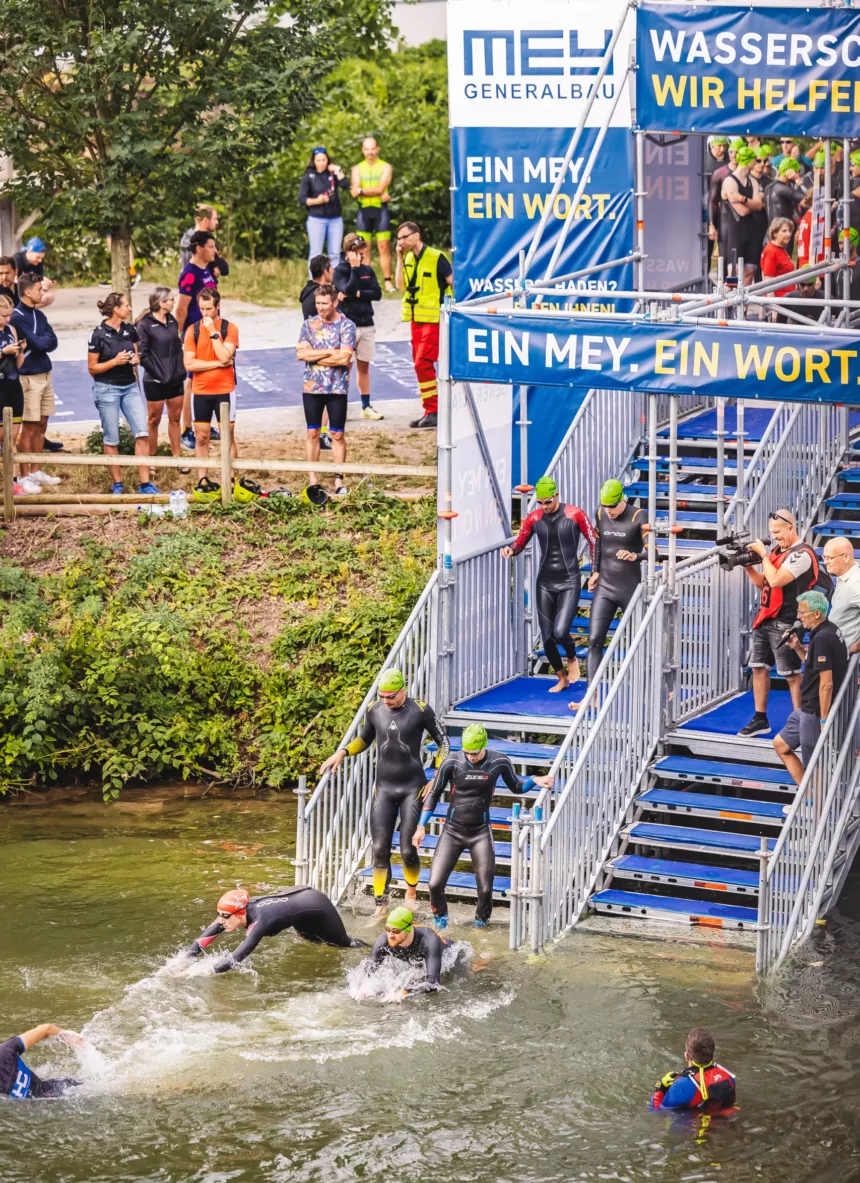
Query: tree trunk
(120, 247)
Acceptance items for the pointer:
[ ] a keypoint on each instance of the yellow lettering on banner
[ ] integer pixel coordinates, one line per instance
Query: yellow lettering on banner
(712, 93)
(504, 205)
(583, 210)
(841, 97)
(817, 92)
(701, 358)
(561, 206)
(753, 358)
(602, 200)
(791, 105)
(857, 96)
(664, 354)
(817, 361)
(793, 355)
(677, 86)
(685, 353)
(844, 355)
(475, 205)
(774, 94)
(534, 203)
(753, 92)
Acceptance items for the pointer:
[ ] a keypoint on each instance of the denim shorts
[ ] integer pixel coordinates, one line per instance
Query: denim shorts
(113, 401)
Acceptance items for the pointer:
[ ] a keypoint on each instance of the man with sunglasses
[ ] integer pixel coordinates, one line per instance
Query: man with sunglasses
(398, 724)
(308, 911)
(426, 274)
(406, 941)
(560, 529)
(789, 569)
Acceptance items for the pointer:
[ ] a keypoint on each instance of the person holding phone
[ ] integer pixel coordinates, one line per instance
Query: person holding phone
(318, 195)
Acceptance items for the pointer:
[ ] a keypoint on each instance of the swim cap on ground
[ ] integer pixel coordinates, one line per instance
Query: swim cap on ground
(399, 918)
(234, 901)
(611, 492)
(788, 165)
(474, 738)
(390, 681)
(744, 156)
(546, 487)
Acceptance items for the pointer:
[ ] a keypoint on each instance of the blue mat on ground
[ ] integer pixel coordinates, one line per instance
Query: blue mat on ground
(704, 425)
(526, 696)
(731, 716)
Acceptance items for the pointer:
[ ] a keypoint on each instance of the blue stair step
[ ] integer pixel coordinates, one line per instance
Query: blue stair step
(513, 748)
(431, 841)
(837, 528)
(459, 882)
(685, 492)
(656, 907)
(701, 875)
(699, 463)
(709, 519)
(844, 501)
(720, 772)
(851, 475)
(500, 819)
(706, 841)
(710, 805)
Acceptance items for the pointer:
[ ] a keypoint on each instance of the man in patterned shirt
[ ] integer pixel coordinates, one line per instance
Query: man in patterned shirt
(326, 346)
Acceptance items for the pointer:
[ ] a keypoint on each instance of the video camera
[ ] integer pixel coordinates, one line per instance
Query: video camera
(735, 553)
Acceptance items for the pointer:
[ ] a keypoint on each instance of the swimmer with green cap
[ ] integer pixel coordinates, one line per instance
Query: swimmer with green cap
(406, 941)
(397, 723)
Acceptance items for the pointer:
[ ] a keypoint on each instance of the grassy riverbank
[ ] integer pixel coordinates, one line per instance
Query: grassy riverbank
(233, 646)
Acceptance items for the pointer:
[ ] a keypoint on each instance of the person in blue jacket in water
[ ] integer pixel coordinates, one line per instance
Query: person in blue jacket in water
(704, 1085)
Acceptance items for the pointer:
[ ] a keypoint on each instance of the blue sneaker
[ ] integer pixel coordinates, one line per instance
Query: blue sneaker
(118, 487)
(440, 922)
(149, 489)
(481, 924)
(189, 440)
(215, 435)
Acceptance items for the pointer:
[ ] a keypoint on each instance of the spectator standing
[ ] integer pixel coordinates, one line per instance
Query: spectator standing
(358, 286)
(425, 273)
(9, 279)
(318, 195)
(845, 606)
(369, 184)
(791, 151)
(111, 359)
(825, 663)
(160, 348)
(34, 368)
(205, 218)
(30, 260)
(210, 347)
(776, 261)
(194, 277)
(326, 346)
(11, 394)
(321, 272)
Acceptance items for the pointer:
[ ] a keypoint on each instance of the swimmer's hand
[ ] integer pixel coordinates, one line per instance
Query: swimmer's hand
(71, 1038)
(418, 836)
(421, 988)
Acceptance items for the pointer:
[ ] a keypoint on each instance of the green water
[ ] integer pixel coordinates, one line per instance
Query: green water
(528, 1071)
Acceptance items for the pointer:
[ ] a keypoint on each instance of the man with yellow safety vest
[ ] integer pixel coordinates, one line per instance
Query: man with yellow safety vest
(369, 186)
(425, 273)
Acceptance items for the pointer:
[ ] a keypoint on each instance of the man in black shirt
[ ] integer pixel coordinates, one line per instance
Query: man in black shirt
(825, 662)
(321, 272)
(9, 278)
(19, 1082)
(356, 280)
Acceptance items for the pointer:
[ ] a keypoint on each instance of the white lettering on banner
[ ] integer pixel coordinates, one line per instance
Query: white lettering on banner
(774, 49)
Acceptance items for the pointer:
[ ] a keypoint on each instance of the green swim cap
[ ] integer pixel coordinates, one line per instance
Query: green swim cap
(719, 140)
(474, 738)
(546, 487)
(611, 492)
(744, 156)
(818, 162)
(737, 143)
(853, 236)
(855, 158)
(399, 918)
(764, 152)
(391, 681)
(790, 165)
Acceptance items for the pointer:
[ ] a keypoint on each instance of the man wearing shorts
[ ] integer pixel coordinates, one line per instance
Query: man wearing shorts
(326, 346)
(34, 368)
(210, 350)
(358, 286)
(369, 186)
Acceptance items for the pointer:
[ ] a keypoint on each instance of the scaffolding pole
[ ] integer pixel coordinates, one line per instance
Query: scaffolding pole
(828, 230)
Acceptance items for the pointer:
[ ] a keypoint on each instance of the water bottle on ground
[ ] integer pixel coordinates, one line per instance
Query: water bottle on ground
(178, 503)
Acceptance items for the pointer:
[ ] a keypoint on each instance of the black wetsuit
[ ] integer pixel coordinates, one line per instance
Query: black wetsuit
(400, 777)
(426, 946)
(467, 825)
(20, 1082)
(557, 586)
(308, 911)
(619, 578)
(740, 234)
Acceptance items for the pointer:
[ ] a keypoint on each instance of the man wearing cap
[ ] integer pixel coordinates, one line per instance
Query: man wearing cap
(471, 775)
(560, 529)
(398, 724)
(618, 553)
(31, 261)
(406, 941)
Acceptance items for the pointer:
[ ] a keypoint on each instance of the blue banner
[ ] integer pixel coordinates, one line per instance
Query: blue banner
(738, 361)
(762, 70)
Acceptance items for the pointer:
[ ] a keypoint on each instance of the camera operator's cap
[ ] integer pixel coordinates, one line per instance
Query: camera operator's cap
(36, 244)
(611, 492)
(390, 681)
(744, 156)
(546, 487)
(789, 165)
(855, 158)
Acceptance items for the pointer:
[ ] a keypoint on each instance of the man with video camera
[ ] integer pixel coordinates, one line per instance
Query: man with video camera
(790, 569)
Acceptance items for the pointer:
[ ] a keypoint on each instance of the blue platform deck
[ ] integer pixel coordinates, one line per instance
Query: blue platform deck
(742, 776)
(526, 696)
(701, 875)
(697, 910)
(704, 425)
(731, 716)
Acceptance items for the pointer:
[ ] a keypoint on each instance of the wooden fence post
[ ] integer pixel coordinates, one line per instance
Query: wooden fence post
(8, 480)
(226, 458)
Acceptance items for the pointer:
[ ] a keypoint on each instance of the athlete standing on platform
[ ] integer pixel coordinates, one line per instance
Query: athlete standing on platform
(472, 775)
(559, 529)
(618, 554)
(397, 723)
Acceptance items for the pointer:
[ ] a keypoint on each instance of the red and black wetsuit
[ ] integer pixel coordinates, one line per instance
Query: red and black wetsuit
(558, 582)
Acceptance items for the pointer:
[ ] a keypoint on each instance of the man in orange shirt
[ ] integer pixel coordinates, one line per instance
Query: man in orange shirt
(210, 350)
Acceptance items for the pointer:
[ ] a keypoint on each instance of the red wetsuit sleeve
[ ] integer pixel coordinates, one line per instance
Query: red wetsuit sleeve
(526, 530)
(584, 522)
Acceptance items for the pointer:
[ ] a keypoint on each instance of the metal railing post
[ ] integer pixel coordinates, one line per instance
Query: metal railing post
(652, 496)
(828, 230)
(846, 224)
(515, 893)
(536, 894)
(639, 181)
(301, 860)
(226, 455)
(763, 918)
(8, 478)
(445, 469)
(721, 465)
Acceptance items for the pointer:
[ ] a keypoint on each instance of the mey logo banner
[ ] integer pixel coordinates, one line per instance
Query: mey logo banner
(766, 70)
(772, 363)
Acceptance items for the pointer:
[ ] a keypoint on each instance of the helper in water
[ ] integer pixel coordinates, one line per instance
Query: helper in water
(703, 1085)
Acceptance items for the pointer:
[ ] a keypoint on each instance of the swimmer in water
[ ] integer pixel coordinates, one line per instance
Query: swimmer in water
(19, 1082)
(308, 911)
(407, 941)
(703, 1085)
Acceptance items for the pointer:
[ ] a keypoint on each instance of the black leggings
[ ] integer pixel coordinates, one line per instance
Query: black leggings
(605, 604)
(556, 609)
(479, 843)
(387, 803)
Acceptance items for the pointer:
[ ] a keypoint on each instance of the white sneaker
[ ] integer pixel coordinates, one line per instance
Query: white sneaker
(29, 486)
(370, 413)
(44, 478)
(341, 491)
